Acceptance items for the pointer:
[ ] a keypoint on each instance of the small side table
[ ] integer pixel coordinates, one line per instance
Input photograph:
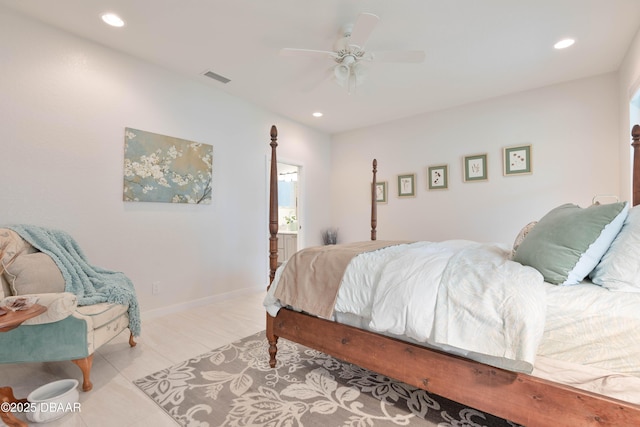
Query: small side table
(9, 321)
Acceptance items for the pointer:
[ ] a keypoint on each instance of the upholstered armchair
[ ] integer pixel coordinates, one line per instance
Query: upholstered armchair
(68, 330)
(65, 332)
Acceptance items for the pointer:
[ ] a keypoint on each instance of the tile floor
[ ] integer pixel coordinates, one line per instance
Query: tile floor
(114, 400)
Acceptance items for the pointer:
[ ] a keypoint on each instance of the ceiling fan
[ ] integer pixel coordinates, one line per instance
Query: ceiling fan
(349, 52)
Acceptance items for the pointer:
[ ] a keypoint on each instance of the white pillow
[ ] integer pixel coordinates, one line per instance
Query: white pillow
(619, 269)
(59, 306)
(590, 259)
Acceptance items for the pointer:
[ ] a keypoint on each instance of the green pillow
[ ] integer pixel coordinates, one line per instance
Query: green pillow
(568, 242)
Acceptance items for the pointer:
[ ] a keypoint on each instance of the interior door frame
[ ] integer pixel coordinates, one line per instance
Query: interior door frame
(300, 209)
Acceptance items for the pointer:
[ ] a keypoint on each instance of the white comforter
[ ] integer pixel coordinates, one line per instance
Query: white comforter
(455, 295)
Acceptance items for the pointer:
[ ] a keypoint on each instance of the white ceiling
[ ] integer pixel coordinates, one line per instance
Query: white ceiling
(476, 49)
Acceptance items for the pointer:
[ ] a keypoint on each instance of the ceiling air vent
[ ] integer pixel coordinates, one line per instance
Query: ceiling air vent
(217, 77)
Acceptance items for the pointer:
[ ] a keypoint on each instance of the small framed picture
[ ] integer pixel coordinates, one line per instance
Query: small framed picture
(517, 160)
(475, 168)
(381, 192)
(407, 185)
(438, 177)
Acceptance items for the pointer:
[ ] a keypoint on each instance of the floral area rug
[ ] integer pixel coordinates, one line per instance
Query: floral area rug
(234, 386)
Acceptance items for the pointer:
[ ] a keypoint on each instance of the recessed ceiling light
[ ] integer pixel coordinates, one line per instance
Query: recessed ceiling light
(564, 43)
(317, 114)
(113, 20)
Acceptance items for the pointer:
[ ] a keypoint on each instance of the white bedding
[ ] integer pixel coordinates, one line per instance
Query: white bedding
(591, 336)
(451, 295)
(593, 326)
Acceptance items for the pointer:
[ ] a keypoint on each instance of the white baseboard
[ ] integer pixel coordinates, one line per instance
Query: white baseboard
(175, 308)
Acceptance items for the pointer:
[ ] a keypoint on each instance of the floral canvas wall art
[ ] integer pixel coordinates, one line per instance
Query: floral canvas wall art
(159, 168)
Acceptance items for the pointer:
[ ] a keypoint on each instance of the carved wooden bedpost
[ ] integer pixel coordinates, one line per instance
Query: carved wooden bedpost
(273, 239)
(374, 204)
(273, 206)
(635, 136)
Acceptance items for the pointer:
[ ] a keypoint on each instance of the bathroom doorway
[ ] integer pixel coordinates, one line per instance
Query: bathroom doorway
(289, 224)
(634, 118)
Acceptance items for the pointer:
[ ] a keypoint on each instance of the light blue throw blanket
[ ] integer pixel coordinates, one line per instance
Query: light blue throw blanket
(91, 284)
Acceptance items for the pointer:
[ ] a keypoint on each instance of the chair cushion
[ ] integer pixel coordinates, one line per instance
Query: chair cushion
(34, 273)
(63, 340)
(102, 313)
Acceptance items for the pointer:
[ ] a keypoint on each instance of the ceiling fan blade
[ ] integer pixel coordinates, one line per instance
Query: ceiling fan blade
(362, 29)
(415, 56)
(306, 52)
(314, 82)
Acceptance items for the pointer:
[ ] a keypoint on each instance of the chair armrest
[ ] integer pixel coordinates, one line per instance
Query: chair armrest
(59, 306)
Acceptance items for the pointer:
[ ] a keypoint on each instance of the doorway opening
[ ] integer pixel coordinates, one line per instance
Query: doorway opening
(634, 108)
(634, 118)
(288, 210)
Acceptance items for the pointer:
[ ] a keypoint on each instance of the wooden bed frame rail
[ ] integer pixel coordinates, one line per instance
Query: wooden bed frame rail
(518, 397)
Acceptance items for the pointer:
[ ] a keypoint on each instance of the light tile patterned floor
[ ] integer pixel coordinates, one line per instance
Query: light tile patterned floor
(114, 400)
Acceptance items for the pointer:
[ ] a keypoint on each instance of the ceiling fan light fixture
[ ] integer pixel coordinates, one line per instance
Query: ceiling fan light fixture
(353, 77)
(343, 70)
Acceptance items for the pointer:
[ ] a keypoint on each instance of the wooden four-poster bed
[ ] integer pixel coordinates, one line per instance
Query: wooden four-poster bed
(519, 397)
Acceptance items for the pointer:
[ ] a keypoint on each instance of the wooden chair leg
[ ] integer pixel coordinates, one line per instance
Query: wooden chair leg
(85, 367)
(6, 396)
(86, 363)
